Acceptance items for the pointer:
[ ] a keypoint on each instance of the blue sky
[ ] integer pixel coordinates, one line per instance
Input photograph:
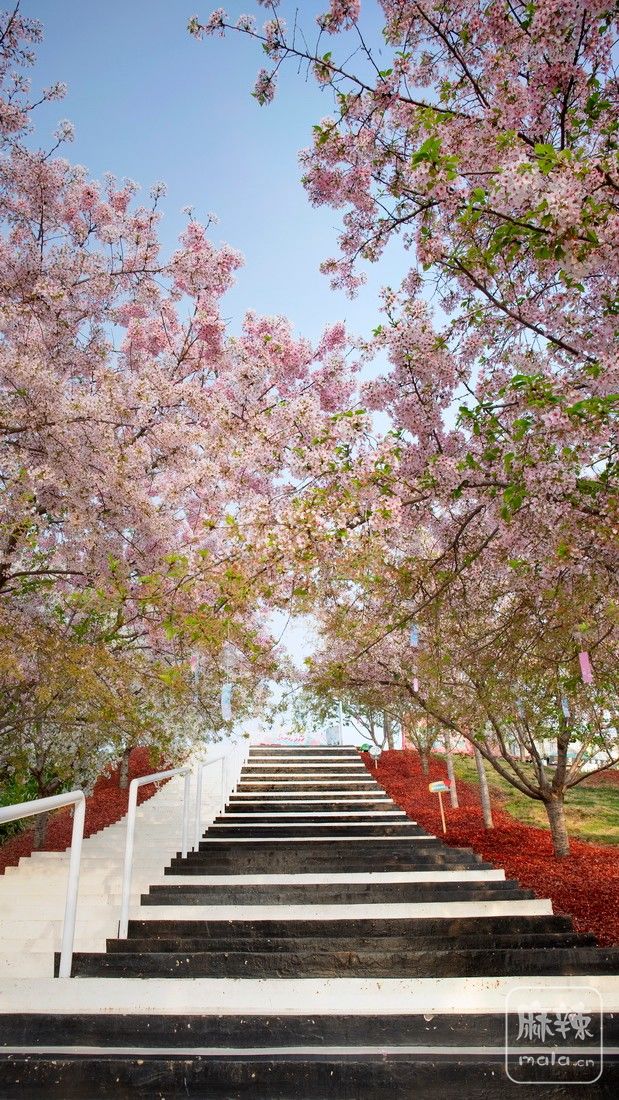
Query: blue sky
(151, 103)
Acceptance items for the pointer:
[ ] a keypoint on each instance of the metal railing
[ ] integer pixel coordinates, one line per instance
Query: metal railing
(41, 806)
(123, 924)
(237, 756)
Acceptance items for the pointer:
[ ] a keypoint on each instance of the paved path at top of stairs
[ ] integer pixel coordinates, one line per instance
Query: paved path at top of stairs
(316, 944)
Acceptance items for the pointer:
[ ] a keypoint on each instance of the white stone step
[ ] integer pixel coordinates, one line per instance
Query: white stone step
(317, 796)
(240, 817)
(289, 996)
(271, 824)
(305, 766)
(32, 895)
(314, 839)
(322, 781)
(311, 878)
(24, 919)
(372, 911)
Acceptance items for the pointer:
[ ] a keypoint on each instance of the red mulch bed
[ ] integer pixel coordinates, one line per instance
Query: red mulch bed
(106, 805)
(584, 886)
(608, 778)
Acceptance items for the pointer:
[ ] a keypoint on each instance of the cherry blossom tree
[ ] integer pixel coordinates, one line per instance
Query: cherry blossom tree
(486, 143)
(146, 454)
(494, 664)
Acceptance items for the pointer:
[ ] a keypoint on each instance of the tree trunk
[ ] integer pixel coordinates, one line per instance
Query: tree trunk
(451, 775)
(387, 729)
(425, 761)
(123, 771)
(40, 829)
(555, 809)
(484, 792)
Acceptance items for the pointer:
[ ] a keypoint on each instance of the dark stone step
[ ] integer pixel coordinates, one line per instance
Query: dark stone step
(340, 828)
(308, 750)
(357, 928)
(335, 893)
(349, 962)
(285, 862)
(176, 943)
(428, 850)
(282, 775)
(263, 863)
(426, 845)
(318, 1077)
(470, 1029)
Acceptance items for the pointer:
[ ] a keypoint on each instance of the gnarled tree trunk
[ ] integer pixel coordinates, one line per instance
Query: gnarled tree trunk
(123, 771)
(40, 829)
(555, 809)
(451, 775)
(388, 729)
(484, 791)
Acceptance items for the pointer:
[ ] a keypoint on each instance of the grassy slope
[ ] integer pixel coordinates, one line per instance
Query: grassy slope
(592, 811)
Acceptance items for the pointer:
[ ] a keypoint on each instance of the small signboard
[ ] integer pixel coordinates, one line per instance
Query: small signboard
(438, 788)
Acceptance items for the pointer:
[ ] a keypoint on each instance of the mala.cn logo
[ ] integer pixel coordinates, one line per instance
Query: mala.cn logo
(562, 1044)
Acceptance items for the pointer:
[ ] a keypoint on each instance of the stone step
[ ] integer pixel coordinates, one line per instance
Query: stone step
(297, 829)
(297, 753)
(318, 767)
(313, 890)
(256, 1030)
(483, 874)
(314, 1074)
(310, 805)
(305, 859)
(346, 913)
(290, 784)
(363, 927)
(283, 996)
(315, 842)
(309, 773)
(331, 894)
(301, 817)
(325, 944)
(350, 961)
(361, 798)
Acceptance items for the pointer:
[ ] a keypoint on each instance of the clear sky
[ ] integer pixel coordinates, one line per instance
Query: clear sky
(151, 103)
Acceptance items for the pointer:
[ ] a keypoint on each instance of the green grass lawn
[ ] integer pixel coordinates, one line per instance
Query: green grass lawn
(592, 811)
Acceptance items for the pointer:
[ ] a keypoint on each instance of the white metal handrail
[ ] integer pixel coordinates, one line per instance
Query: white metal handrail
(200, 772)
(238, 752)
(123, 924)
(41, 806)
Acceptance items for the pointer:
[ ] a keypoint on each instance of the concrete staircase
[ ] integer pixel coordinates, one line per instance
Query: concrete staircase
(317, 944)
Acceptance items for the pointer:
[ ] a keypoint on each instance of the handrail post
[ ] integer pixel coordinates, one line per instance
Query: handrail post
(198, 822)
(185, 832)
(43, 805)
(224, 759)
(70, 909)
(123, 923)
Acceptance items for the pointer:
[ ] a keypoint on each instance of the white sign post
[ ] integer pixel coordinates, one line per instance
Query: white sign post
(438, 788)
(375, 753)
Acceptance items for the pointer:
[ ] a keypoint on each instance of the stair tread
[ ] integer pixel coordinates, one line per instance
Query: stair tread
(364, 944)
